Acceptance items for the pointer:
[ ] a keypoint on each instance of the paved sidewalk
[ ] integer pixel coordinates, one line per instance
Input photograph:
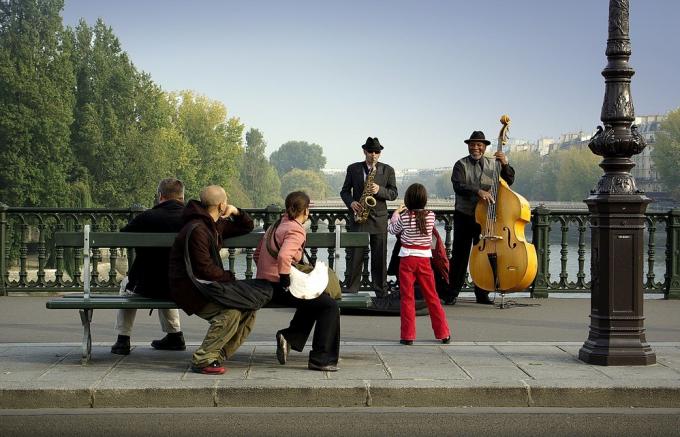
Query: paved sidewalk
(379, 374)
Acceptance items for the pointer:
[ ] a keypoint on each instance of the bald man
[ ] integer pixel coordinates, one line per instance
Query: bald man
(209, 221)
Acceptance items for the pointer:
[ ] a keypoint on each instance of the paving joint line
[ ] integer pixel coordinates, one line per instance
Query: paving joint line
(512, 361)
(530, 399)
(455, 363)
(386, 368)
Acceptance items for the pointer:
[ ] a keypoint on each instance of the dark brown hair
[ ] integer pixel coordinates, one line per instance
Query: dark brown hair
(296, 203)
(415, 200)
(171, 188)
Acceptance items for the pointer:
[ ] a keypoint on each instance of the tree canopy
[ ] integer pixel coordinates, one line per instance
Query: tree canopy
(666, 154)
(298, 154)
(257, 174)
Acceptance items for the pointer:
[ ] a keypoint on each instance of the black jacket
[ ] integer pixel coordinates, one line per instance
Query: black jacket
(148, 274)
(203, 240)
(354, 187)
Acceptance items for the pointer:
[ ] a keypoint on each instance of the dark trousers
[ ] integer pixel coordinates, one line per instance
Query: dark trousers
(466, 233)
(325, 313)
(378, 245)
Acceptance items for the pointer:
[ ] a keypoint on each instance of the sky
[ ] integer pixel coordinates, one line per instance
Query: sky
(419, 75)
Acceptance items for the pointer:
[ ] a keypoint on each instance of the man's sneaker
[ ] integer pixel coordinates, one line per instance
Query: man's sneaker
(282, 348)
(213, 368)
(173, 341)
(122, 345)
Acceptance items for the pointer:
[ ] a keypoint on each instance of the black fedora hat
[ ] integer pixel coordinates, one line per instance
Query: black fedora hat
(372, 145)
(477, 136)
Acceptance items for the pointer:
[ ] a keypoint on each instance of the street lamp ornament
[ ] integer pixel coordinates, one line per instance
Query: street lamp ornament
(619, 138)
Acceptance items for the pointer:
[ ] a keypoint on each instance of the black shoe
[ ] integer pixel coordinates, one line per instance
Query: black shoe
(282, 348)
(173, 341)
(483, 298)
(406, 342)
(449, 301)
(122, 345)
(446, 340)
(326, 368)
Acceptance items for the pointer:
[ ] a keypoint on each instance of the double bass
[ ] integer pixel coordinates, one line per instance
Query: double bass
(503, 260)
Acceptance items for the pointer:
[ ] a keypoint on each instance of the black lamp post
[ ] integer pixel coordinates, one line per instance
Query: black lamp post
(617, 208)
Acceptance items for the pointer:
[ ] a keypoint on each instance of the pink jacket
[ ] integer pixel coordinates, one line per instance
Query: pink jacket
(291, 237)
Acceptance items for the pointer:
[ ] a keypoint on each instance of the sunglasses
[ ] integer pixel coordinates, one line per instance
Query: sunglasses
(373, 152)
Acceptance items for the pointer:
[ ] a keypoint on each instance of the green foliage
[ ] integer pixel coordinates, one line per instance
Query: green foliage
(666, 153)
(298, 154)
(528, 173)
(36, 104)
(334, 182)
(259, 179)
(578, 174)
(565, 175)
(214, 142)
(309, 181)
(237, 195)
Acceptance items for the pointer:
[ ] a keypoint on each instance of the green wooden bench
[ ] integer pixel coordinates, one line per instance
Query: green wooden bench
(86, 302)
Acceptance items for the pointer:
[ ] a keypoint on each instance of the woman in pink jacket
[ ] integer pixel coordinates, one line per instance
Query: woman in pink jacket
(281, 247)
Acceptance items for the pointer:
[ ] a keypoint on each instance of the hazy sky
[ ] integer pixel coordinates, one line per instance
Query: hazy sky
(419, 75)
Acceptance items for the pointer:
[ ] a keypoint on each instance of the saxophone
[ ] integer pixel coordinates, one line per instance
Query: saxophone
(367, 201)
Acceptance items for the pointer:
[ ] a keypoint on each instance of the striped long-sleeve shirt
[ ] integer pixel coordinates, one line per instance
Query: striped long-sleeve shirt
(413, 243)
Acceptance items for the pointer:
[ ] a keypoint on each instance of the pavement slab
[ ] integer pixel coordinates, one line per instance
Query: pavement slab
(385, 374)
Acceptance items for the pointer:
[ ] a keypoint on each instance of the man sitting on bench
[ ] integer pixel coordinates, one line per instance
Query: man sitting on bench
(148, 275)
(195, 264)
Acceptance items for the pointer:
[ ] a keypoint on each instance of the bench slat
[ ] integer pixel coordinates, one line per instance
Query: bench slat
(129, 302)
(149, 239)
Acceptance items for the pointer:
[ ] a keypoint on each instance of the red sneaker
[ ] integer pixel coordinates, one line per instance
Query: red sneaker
(213, 368)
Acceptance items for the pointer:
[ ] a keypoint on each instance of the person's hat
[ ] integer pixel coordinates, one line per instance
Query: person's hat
(372, 145)
(477, 136)
(309, 285)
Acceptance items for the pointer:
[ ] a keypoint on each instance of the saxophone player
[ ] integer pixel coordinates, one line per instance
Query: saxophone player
(368, 186)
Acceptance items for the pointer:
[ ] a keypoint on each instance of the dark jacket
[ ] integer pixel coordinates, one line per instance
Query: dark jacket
(208, 233)
(148, 274)
(354, 187)
(465, 186)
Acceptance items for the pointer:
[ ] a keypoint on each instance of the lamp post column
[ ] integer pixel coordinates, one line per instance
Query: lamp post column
(617, 208)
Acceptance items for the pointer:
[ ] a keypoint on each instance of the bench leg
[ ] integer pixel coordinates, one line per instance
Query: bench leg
(86, 319)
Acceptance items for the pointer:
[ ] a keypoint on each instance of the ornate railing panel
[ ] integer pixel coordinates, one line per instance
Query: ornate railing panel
(29, 262)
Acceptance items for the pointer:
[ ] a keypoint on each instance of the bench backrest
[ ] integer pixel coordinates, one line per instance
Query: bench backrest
(149, 239)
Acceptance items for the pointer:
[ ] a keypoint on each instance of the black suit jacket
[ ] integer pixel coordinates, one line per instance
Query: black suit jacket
(148, 274)
(354, 187)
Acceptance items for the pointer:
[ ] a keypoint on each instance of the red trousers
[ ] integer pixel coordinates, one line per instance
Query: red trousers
(411, 269)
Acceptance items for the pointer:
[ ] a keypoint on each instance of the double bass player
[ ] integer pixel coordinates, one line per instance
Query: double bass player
(471, 177)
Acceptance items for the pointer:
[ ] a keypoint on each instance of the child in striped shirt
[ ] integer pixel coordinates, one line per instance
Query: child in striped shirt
(415, 224)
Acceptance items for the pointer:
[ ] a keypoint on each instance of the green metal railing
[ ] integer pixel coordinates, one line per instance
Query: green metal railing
(27, 252)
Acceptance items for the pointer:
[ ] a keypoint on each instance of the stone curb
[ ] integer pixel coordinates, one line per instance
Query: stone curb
(361, 394)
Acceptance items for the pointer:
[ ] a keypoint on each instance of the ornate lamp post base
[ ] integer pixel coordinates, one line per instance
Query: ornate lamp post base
(617, 333)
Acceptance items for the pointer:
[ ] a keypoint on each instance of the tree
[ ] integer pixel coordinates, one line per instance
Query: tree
(217, 139)
(666, 153)
(578, 174)
(298, 154)
(334, 182)
(528, 175)
(258, 177)
(311, 182)
(36, 104)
